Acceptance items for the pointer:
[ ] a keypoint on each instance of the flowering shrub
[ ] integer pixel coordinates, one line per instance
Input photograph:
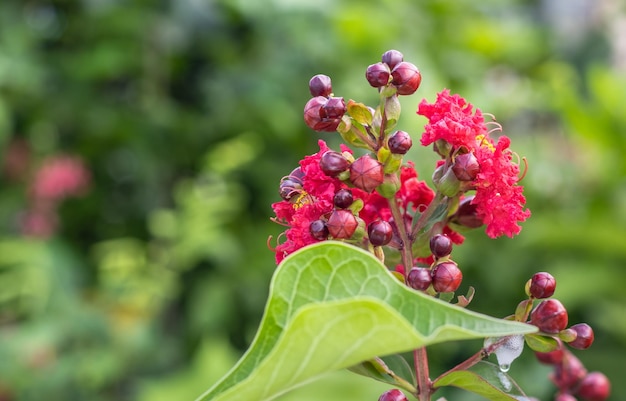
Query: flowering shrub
(366, 272)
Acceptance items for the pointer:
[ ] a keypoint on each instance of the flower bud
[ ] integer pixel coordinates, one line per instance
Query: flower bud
(466, 214)
(318, 229)
(379, 232)
(343, 199)
(550, 358)
(584, 336)
(594, 387)
(289, 188)
(542, 285)
(378, 74)
(440, 245)
(342, 224)
(392, 58)
(465, 167)
(549, 316)
(366, 173)
(569, 372)
(393, 395)
(399, 142)
(419, 278)
(406, 77)
(333, 163)
(320, 85)
(334, 108)
(447, 277)
(313, 116)
(565, 397)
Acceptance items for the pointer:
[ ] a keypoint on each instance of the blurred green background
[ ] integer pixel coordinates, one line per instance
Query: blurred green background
(143, 277)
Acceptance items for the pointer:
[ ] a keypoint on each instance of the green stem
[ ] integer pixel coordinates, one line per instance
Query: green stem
(406, 249)
(425, 216)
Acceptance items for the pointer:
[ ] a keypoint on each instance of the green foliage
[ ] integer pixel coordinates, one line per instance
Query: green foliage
(332, 306)
(188, 113)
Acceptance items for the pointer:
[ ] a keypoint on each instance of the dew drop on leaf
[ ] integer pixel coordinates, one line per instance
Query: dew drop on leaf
(509, 349)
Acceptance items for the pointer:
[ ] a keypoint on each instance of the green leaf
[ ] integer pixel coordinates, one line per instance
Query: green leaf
(541, 343)
(484, 379)
(360, 112)
(331, 306)
(392, 369)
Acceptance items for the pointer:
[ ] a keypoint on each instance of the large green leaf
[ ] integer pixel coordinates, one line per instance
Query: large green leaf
(331, 306)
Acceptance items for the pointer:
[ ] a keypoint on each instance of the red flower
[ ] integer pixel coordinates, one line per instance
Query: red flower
(315, 201)
(451, 118)
(499, 200)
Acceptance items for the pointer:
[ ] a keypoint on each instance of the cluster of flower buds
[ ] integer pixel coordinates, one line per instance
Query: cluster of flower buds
(444, 275)
(550, 316)
(324, 111)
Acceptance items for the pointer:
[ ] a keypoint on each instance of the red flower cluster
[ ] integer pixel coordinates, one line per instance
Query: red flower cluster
(499, 200)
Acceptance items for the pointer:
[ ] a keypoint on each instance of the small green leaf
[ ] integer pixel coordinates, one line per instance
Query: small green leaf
(392, 369)
(540, 343)
(332, 306)
(484, 379)
(360, 112)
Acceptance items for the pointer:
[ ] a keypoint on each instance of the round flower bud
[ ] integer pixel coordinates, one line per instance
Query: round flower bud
(392, 58)
(315, 120)
(334, 108)
(565, 397)
(378, 74)
(466, 215)
(342, 224)
(320, 85)
(399, 142)
(289, 188)
(550, 358)
(447, 277)
(440, 245)
(366, 173)
(465, 167)
(393, 395)
(318, 229)
(584, 336)
(419, 278)
(406, 77)
(549, 316)
(333, 163)
(343, 199)
(542, 285)
(594, 387)
(569, 372)
(379, 232)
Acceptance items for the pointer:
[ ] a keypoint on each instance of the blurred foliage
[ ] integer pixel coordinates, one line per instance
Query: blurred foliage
(187, 113)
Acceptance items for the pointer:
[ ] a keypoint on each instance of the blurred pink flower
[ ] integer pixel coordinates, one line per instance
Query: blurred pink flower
(60, 177)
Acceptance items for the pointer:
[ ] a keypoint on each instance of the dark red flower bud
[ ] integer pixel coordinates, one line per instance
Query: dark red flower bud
(465, 167)
(333, 163)
(440, 245)
(378, 74)
(550, 358)
(542, 285)
(366, 173)
(342, 224)
(289, 188)
(565, 397)
(584, 336)
(379, 232)
(318, 229)
(399, 142)
(343, 199)
(419, 278)
(393, 395)
(320, 85)
(594, 387)
(550, 316)
(447, 277)
(406, 77)
(466, 214)
(334, 108)
(392, 58)
(569, 372)
(313, 116)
